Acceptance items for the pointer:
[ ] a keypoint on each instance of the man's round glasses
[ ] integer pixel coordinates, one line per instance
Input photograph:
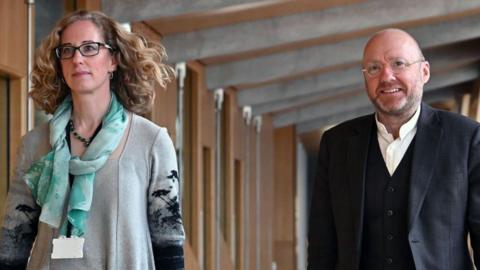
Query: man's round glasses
(397, 65)
(86, 49)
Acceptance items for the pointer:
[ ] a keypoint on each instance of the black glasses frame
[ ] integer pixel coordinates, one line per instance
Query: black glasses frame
(79, 48)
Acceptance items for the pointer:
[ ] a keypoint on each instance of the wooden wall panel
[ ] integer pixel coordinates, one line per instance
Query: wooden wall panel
(267, 192)
(89, 4)
(228, 167)
(191, 261)
(3, 143)
(164, 112)
(238, 154)
(196, 83)
(239, 228)
(189, 212)
(252, 232)
(208, 174)
(13, 38)
(207, 117)
(225, 261)
(13, 65)
(18, 116)
(207, 135)
(284, 198)
(474, 107)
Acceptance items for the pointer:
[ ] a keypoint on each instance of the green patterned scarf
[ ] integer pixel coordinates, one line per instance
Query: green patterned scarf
(48, 178)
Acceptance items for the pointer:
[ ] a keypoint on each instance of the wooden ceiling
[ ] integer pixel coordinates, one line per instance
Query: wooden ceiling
(299, 60)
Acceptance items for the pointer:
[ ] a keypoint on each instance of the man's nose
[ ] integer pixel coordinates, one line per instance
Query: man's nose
(387, 74)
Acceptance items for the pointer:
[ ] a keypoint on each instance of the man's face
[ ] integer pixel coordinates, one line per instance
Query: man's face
(397, 74)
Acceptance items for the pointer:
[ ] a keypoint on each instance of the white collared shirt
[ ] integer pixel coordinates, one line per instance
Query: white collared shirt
(392, 149)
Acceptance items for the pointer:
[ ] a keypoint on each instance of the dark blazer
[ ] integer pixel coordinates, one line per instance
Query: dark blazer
(444, 198)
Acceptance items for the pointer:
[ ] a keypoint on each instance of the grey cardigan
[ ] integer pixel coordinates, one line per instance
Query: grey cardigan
(134, 221)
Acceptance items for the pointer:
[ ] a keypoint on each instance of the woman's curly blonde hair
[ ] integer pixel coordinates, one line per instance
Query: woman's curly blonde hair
(140, 65)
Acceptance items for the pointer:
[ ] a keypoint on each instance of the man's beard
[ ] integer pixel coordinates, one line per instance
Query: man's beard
(411, 103)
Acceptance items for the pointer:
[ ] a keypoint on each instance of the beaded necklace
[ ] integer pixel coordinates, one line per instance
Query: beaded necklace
(86, 141)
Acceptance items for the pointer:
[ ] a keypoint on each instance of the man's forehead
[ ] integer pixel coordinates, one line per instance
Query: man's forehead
(389, 46)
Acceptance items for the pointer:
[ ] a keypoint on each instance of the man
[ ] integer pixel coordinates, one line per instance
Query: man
(398, 189)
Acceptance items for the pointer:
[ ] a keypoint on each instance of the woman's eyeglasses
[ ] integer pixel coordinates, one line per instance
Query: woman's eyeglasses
(87, 49)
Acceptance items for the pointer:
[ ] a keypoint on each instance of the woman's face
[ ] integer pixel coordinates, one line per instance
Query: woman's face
(86, 74)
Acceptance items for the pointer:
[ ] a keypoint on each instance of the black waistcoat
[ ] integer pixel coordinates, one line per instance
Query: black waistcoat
(385, 237)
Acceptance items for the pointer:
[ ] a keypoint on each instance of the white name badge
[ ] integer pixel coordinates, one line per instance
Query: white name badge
(68, 248)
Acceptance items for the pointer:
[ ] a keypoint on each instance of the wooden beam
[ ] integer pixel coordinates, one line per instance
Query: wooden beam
(442, 95)
(305, 99)
(323, 109)
(278, 31)
(453, 56)
(236, 14)
(304, 86)
(452, 77)
(442, 60)
(285, 63)
(139, 10)
(277, 96)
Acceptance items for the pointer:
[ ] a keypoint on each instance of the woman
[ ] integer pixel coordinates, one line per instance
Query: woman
(98, 179)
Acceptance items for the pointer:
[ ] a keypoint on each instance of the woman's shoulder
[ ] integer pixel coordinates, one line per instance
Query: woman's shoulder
(144, 125)
(39, 136)
(145, 128)
(35, 143)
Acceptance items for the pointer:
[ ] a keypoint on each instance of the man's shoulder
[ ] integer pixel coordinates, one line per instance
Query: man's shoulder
(352, 126)
(452, 120)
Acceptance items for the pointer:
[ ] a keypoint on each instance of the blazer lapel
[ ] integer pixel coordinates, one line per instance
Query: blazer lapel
(357, 151)
(428, 137)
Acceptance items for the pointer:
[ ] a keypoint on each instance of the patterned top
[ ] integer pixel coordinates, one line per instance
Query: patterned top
(135, 220)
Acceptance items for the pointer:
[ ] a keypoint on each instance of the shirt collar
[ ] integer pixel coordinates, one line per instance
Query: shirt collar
(404, 129)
